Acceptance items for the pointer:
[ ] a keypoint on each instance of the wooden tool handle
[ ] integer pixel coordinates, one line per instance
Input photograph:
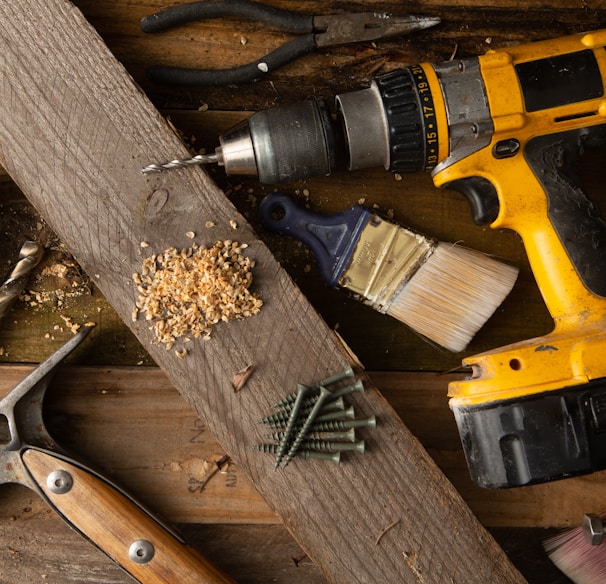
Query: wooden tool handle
(117, 525)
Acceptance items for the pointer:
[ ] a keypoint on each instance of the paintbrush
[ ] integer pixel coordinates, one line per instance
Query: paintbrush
(579, 552)
(444, 292)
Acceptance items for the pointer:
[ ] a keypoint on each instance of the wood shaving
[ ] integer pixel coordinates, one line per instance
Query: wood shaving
(185, 292)
(239, 379)
(72, 326)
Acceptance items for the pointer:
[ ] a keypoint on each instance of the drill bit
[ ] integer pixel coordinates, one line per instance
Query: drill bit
(182, 163)
(29, 257)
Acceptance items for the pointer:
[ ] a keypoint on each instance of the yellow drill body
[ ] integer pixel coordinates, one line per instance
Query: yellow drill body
(504, 129)
(575, 352)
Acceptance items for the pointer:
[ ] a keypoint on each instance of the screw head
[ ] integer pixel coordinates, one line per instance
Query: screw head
(141, 551)
(593, 528)
(59, 482)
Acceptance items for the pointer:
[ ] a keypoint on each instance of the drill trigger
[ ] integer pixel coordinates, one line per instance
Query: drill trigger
(481, 195)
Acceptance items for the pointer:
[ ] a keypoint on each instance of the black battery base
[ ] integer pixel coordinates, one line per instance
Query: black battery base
(535, 439)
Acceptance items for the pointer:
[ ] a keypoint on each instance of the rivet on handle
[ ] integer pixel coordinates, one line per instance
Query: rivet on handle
(59, 482)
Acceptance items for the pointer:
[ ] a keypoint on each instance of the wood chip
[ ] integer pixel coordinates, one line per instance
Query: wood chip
(186, 292)
(239, 379)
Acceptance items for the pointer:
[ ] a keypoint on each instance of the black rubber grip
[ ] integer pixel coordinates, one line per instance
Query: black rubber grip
(575, 219)
(285, 20)
(243, 74)
(293, 142)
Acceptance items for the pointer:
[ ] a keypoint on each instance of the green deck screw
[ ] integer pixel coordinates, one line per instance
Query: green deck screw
(324, 393)
(323, 445)
(303, 453)
(348, 413)
(289, 399)
(343, 436)
(292, 419)
(334, 425)
(280, 419)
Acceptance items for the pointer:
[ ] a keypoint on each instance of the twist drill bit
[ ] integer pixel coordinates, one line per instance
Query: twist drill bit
(182, 163)
(29, 257)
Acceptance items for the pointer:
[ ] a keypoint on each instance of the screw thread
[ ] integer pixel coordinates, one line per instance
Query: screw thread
(324, 393)
(334, 425)
(330, 446)
(282, 417)
(346, 435)
(303, 453)
(290, 398)
(292, 420)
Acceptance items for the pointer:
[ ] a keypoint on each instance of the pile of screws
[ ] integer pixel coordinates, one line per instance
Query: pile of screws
(314, 422)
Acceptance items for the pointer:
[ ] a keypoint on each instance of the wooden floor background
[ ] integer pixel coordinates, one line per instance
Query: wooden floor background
(117, 410)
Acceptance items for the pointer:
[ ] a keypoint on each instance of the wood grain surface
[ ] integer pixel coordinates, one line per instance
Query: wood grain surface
(97, 201)
(74, 132)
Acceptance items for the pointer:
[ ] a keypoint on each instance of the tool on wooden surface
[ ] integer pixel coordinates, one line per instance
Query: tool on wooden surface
(315, 32)
(580, 552)
(302, 420)
(443, 291)
(505, 129)
(277, 145)
(29, 257)
(144, 547)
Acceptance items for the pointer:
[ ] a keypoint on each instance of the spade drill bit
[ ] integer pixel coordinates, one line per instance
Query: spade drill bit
(29, 257)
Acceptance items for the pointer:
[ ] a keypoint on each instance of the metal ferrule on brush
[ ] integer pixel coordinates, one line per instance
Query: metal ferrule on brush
(382, 260)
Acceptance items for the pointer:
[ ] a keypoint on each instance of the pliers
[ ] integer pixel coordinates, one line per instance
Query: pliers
(316, 32)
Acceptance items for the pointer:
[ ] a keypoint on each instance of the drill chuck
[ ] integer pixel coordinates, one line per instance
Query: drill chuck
(282, 144)
(278, 145)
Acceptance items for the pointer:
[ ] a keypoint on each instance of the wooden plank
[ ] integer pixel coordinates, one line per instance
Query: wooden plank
(131, 422)
(74, 131)
(38, 547)
(469, 27)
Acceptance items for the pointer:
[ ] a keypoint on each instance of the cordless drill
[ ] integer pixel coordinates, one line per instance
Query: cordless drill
(504, 130)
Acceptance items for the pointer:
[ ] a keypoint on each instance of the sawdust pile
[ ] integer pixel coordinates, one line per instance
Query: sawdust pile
(185, 292)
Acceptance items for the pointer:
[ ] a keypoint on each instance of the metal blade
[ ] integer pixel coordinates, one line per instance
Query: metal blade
(25, 423)
(341, 29)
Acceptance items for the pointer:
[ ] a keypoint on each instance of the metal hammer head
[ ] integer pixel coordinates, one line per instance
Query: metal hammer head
(21, 415)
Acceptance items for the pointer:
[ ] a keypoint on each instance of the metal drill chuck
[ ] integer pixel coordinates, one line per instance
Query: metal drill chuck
(278, 145)
(282, 144)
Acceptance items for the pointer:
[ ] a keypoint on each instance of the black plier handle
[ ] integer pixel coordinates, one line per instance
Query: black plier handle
(314, 31)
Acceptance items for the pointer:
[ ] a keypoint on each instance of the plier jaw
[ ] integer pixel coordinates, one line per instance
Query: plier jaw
(361, 27)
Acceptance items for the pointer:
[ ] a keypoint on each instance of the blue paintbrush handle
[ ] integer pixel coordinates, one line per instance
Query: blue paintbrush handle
(331, 238)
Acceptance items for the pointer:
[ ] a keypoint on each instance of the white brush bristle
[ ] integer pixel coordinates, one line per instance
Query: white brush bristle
(452, 295)
(582, 562)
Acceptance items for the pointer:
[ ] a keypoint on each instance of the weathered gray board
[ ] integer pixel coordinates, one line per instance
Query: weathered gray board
(74, 132)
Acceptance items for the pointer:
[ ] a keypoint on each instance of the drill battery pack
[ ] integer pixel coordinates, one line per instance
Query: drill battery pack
(538, 438)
